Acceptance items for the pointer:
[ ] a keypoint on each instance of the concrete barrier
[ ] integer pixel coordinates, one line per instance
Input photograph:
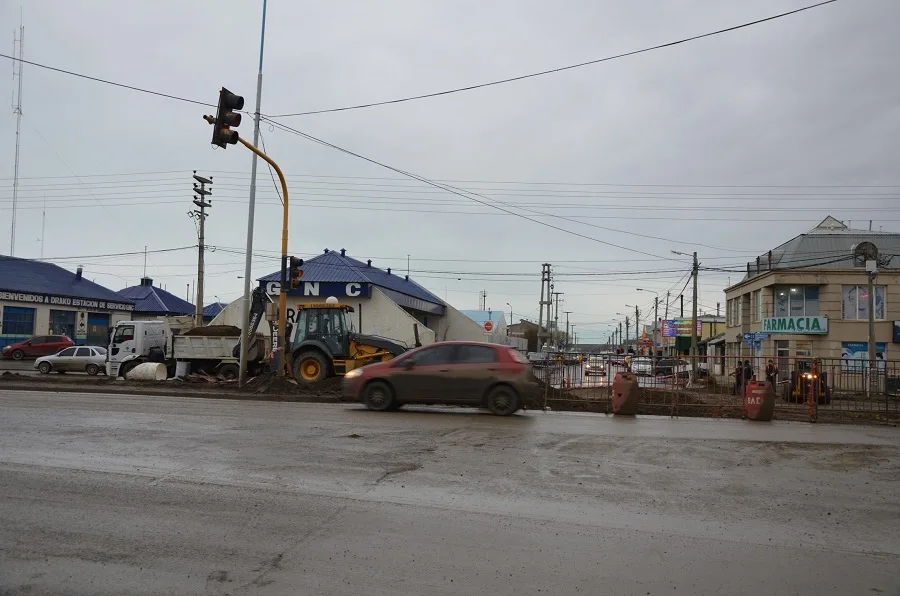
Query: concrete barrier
(626, 393)
(148, 371)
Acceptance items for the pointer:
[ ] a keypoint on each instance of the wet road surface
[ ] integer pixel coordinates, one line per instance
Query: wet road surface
(108, 494)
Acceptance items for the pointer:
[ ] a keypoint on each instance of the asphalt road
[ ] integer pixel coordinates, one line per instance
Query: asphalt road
(103, 494)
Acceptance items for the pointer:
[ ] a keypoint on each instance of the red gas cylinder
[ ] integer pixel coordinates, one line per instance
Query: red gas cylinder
(759, 401)
(625, 394)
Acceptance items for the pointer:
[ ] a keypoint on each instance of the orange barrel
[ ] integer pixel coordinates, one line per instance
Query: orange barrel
(625, 394)
(759, 401)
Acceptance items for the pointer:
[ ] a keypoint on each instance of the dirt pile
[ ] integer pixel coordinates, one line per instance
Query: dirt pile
(214, 331)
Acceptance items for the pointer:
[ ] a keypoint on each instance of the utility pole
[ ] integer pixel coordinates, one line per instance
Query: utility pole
(627, 323)
(637, 326)
(545, 301)
(251, 211)
(556, 313)
(620, 334)
(665, 340)
(483, 296)
(201, 202)
(681, 297)
(568, 312)
(18, 67)
(696, 270)
(871, 273)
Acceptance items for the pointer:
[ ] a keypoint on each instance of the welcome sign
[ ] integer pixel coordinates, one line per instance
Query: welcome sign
(796, 325)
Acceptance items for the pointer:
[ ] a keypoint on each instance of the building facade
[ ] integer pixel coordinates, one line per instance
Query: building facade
(385, 303)
(809, 297)
(39, 298)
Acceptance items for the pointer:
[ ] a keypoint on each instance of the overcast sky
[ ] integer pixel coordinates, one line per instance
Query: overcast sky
(635, 146)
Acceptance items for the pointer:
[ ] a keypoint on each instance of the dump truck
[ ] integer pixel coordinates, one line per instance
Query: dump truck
(205, 349)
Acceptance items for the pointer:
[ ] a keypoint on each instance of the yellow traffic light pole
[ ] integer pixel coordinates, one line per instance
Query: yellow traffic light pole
(282, 294)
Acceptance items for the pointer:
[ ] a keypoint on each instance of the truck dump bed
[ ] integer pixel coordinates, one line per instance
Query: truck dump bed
(195, 347)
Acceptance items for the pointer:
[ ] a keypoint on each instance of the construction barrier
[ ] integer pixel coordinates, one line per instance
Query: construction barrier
(759, 401)
(625, 394)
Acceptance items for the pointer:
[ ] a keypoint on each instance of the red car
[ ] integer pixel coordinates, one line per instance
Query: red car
(41, 345)
(459, 373)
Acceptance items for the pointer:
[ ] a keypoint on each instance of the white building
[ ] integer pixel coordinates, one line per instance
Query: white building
(39, 298)
(385, 303)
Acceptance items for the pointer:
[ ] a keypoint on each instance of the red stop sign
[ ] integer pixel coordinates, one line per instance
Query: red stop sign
(488, 326)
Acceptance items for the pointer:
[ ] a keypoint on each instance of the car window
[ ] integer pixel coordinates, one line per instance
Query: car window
(518, 356)
(433, 356)
(67, 352)
(125, 333)
(101, 351)
(475, 354)
(83, 352)
(37, 341)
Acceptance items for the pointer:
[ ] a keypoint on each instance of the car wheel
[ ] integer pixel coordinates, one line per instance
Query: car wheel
(92, 369)
(310, 367)
(18, 354)
(45, 368)
(230, 372)
(378, 397)
(503, 401)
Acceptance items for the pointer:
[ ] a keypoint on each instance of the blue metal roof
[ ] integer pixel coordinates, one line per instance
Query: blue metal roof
(481, 316)
(36, 277)
(333, 267)
(150, 300)
(211, 310)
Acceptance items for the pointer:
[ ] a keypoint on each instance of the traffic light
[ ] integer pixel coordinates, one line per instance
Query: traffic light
(295, 272)
(226, 117)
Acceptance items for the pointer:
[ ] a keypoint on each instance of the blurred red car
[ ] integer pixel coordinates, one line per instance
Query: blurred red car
(485, 375)
(41, 345)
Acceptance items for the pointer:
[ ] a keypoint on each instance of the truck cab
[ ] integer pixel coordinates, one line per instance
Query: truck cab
(134, 342)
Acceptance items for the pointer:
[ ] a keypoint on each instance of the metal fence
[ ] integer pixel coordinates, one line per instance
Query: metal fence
(713, 386)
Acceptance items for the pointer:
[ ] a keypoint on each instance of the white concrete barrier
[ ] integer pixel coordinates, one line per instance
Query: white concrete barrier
(149, 371)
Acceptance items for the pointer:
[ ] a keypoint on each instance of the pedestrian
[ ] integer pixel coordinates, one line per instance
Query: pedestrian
(748, 372)
(738, 376)
(771, 373)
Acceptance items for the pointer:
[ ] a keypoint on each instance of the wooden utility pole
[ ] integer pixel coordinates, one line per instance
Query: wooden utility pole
(200, 214)
(695, 270)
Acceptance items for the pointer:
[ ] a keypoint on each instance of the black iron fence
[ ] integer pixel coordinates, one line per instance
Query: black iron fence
(713, 386)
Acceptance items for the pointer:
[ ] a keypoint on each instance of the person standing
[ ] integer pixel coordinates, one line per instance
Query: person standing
(771, 373)
(748, 372)
(738, 377)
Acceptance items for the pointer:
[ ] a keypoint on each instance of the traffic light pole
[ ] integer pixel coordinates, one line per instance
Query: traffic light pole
(282, 294)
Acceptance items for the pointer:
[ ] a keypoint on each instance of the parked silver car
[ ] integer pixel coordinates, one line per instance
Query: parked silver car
(89, 359)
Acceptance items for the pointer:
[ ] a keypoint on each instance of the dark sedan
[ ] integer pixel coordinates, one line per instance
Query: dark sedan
(485, 375)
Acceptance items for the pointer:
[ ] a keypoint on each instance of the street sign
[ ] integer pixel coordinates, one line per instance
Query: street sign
(751, 337)
(748, 336)
(488, 327)
(762, 336)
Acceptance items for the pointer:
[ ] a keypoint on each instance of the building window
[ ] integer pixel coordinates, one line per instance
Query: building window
(855, 303)
(62, 322)
(18, 320)
(797, 301)
(740, 311)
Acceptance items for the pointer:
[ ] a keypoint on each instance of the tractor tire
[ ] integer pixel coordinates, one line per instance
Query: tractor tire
(503, 401)
(310, 367)
(230, 372)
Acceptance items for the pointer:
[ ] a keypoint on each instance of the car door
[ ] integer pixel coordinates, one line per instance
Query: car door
(81, 359)
(476, 367)
(63, 361)
(33, 346)
(420, 377)
(54, 343)
(122, 342)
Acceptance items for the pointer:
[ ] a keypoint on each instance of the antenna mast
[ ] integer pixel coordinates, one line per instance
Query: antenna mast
(18, 66)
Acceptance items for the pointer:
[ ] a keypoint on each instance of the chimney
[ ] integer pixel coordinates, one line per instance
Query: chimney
(748, 269)
(770, 260)
(78, 272)
(343, 252)
(369, 263)
(389, 270)
(406, 277)
(146, 281)
(326, 251)
(757, 265)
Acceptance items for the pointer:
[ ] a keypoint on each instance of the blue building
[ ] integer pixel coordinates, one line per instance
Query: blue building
(38, 298)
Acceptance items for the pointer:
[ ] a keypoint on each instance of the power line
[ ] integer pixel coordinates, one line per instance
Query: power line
(451, 190)
(555, 70)
(108, 82)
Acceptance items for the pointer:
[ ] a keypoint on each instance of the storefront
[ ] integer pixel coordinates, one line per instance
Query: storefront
(43, 299)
